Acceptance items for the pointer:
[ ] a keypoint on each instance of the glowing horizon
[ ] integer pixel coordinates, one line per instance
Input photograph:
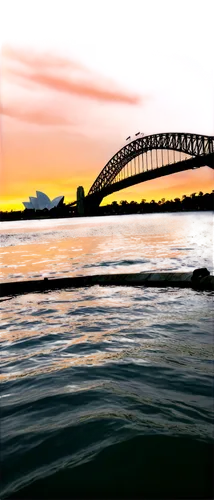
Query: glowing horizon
(68, 102)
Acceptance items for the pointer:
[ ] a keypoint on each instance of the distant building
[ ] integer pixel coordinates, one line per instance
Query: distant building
(42, 201)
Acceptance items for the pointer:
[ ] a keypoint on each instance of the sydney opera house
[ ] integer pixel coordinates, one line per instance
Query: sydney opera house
(41, 201)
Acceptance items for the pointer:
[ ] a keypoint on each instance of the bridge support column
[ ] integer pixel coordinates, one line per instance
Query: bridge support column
(80, 201)
(91, 204)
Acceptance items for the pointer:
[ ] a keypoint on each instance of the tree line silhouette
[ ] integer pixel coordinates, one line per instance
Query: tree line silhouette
(192, 203)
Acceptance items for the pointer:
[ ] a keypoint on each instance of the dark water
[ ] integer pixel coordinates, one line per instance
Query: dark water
(107, 392)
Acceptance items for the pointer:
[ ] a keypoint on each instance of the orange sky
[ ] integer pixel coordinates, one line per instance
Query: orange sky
(68, 103)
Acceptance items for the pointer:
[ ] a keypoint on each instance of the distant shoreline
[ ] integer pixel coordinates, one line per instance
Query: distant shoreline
(194, 203)
(99, 215)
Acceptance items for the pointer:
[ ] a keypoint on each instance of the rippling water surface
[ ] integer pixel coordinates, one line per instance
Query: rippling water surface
(107, 392)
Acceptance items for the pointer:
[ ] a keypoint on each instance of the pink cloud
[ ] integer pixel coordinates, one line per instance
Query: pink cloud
(50, 68)
(36, 116)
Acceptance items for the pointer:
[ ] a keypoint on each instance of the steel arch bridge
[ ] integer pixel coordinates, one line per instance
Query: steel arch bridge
(195, 145)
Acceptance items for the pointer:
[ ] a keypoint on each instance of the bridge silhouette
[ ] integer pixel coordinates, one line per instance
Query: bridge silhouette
(147, 158)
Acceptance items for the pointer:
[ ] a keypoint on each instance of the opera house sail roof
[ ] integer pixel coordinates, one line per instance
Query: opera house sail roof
(41, 201)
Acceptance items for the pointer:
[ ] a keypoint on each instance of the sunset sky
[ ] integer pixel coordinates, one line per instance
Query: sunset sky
(78, 77)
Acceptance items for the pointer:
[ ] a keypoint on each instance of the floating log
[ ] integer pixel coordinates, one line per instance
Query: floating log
(199, 279)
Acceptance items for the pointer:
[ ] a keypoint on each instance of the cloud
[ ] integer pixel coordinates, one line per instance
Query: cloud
(39, 115)
(50, 69)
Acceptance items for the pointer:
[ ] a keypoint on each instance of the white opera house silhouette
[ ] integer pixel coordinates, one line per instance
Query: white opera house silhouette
(41, 201)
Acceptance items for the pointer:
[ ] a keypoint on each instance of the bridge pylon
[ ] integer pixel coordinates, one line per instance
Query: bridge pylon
(80, 201)
(87, 205)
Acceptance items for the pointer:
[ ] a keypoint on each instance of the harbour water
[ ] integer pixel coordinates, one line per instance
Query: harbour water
(107, 392)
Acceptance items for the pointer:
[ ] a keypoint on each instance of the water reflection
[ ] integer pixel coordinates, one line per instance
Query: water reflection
(85, 368)
(98, 326)
(105, 244)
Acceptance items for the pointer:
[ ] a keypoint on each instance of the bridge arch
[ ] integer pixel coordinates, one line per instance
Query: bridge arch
(194, 145)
